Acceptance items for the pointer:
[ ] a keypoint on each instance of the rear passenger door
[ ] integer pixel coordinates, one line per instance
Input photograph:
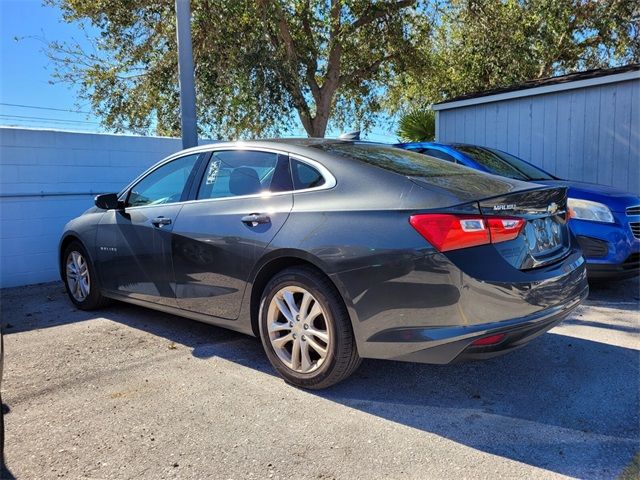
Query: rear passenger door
(242, 199)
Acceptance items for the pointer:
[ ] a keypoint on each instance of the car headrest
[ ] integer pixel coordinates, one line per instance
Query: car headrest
(244, 181)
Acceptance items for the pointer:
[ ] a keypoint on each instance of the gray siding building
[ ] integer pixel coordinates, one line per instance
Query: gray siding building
(583, 127)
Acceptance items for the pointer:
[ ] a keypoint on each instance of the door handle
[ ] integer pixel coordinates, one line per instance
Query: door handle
(159, 221)
(255, 218)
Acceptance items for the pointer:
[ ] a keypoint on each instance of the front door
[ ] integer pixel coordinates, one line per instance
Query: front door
(134, 244)
(243, 199)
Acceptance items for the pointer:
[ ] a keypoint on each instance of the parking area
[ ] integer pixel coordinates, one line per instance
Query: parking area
(131, 393)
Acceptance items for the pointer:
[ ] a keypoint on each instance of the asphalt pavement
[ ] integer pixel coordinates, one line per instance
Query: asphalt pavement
(132, 393)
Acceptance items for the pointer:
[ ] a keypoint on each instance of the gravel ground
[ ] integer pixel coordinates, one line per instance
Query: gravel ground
(131, 393)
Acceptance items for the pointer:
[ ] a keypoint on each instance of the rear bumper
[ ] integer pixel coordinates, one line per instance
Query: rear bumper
(454, 344)
(435, 311)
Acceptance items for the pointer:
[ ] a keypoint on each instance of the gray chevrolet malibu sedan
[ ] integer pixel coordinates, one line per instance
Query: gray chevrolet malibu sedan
(331, 251)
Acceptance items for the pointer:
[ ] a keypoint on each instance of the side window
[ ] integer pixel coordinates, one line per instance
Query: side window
(232, 173)
(438, 154)
(305, 176)
(164, 184)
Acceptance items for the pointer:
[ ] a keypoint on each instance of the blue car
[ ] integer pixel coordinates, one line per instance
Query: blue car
(605, 221)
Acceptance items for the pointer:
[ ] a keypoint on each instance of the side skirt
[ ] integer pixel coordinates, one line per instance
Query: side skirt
(235, 325)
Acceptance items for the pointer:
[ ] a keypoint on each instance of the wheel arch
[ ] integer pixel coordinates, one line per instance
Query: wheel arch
(278, 261)
(67, 238)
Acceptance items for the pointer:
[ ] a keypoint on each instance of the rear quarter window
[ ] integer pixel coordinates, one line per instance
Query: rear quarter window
(305, 176)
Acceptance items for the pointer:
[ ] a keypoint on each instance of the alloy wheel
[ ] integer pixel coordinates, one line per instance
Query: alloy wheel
(78, 278)
(298, 329)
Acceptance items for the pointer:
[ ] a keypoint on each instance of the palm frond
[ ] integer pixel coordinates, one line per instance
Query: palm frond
(417, 125)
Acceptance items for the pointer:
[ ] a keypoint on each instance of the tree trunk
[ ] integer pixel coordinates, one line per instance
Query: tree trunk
(316, 127)
(319, 125)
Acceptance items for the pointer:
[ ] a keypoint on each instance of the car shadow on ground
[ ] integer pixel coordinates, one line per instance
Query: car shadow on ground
(622, 295)
(563, 404)
(558, 404)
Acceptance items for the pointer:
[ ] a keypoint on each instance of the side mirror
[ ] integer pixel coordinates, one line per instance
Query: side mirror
(108, 201)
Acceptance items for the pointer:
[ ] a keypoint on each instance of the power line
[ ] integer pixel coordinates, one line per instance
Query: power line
(43, 108)
(57, 120)
(53, 125)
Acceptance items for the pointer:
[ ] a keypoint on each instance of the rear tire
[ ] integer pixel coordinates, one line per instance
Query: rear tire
(80, 279)
(305, 329)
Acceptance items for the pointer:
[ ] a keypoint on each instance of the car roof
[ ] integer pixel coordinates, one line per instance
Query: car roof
(453, 145)
(270, 142)
(434, 144)
(301, 147)
(457, 144)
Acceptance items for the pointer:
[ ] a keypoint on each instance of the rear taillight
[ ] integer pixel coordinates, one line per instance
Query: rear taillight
(452, 232)
(503, 229)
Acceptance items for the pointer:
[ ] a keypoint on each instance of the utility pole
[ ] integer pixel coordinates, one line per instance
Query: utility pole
(186, 74)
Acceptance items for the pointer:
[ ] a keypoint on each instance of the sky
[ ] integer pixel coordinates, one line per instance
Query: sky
(25, 70)
(28, 98)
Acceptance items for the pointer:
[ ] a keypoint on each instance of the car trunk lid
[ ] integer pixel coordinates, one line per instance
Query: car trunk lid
(465, 185)
(545, 237)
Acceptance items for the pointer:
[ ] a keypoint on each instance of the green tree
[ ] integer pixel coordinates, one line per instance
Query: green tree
(483, 44)
(258, 64)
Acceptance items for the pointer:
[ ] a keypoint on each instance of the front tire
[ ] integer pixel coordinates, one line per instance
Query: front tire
(305, 329)
(80, 278)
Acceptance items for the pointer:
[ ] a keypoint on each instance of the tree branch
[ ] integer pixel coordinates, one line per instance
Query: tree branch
(376, 13)
(312, 59)
(335, 46)
(362, 73)
(284, 39)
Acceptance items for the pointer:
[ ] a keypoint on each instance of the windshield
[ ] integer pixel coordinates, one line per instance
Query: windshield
(427, 172)
(501, 163)
(394, 159)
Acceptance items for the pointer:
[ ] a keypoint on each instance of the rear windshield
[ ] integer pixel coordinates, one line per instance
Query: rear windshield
(501, 163)
(394, 159)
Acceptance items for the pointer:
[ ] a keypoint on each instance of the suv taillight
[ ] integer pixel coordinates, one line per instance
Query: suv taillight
(452, 232)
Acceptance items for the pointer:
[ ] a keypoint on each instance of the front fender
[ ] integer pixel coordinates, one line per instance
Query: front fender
(83, 228)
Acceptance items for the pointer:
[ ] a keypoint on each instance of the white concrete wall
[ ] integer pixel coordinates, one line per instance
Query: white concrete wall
(48, 177)
(589, 134)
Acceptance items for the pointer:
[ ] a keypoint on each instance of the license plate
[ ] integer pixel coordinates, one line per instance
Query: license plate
(543, 235)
